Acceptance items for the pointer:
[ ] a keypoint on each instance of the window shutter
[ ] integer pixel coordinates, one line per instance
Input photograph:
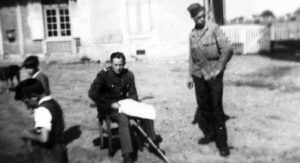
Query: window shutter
(145, 16)
(35, 21)
(75, 19)
(132, 16)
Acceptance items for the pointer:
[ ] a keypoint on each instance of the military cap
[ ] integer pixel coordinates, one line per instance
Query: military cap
(31, 62)
(194, 9)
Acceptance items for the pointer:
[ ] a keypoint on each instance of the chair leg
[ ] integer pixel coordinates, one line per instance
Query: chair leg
(109, 135)
(101, 135)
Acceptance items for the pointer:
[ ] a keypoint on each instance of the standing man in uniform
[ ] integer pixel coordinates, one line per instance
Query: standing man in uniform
(209, 53)
(111, 85)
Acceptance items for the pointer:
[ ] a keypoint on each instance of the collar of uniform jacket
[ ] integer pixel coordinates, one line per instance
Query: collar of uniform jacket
(199, 33)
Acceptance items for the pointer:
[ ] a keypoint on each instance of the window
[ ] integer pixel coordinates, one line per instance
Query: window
(139, 16)
(57, 20)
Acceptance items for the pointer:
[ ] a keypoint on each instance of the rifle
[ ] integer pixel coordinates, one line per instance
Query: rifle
(163, 156)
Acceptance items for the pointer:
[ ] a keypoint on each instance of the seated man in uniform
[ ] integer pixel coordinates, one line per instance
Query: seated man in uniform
(111, 85)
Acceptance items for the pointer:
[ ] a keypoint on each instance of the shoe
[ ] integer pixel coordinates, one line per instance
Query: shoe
(156, 153)
(194, 122)
(224, 151)
(127, 158)
(205, 140)
(158, 139)
(134, 156)
(226, 117)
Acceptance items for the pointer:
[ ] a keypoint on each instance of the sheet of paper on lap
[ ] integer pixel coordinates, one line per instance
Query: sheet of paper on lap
(137, 109)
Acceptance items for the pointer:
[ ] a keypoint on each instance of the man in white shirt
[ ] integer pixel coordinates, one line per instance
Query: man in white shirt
(47, 136)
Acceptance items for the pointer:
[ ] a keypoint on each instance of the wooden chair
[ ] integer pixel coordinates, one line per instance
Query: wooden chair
(109, 136)
(137, 134)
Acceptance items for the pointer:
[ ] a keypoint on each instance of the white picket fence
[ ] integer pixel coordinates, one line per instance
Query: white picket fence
(248, 38)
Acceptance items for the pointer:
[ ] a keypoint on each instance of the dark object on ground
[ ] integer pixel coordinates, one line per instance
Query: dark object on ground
(71, 134)
(8, 74)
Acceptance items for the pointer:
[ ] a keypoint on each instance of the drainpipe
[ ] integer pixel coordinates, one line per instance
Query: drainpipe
(208, 9)
(1, 42)
(20, 29)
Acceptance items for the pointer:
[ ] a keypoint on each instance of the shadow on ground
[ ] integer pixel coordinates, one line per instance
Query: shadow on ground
(72, 134)
(115, 141)
(290, 55)
(270, 78)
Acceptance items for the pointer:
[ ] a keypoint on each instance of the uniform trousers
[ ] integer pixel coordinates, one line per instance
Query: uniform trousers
(124, 130)
(210, 114)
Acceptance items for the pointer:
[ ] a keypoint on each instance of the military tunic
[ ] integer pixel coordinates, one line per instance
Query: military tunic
(209, 50)
(109, 87)
(40, 76)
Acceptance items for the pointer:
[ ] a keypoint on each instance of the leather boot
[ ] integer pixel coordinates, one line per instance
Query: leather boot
(224, 151)
(206, 140)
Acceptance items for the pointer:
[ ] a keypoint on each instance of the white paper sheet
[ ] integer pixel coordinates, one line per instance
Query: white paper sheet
(137, 109)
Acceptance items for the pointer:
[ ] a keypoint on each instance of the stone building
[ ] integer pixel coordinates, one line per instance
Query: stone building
(60, 29)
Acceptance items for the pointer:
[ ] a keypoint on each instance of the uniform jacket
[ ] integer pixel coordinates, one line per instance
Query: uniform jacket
(109, 87)
(44, 80)
(209, 50)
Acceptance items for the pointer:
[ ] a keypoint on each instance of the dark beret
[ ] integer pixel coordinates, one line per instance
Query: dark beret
(28, 88)
(31, 62)
(194, 9)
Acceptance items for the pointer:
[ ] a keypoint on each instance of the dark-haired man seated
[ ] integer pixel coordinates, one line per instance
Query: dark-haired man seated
(111, 85)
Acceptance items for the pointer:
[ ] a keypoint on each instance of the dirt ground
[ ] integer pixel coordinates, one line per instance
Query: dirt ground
(261, 95)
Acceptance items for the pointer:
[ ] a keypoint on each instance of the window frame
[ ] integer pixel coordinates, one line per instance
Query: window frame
(57, 8)
(136, 7)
